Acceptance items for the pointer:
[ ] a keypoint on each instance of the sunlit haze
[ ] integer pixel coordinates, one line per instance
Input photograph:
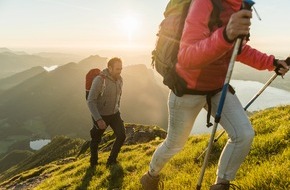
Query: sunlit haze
(81, 25)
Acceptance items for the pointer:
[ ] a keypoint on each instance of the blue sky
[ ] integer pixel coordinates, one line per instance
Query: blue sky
(102, 24)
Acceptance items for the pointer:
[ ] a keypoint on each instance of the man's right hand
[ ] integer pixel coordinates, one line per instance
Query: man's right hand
(101, 124)
(239, 24)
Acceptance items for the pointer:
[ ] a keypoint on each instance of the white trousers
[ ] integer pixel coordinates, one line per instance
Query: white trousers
(182, 114)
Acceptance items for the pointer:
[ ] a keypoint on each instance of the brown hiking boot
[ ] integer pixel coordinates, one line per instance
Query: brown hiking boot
(150, 182)
(224, 186)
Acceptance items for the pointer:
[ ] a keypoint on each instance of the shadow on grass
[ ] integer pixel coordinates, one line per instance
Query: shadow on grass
(116, 177)
(87, 178)
(114, 181)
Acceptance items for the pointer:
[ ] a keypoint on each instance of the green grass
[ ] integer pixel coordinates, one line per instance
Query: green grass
(265, 168)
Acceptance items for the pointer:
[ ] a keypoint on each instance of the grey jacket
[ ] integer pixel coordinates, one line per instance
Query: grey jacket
(104, 96)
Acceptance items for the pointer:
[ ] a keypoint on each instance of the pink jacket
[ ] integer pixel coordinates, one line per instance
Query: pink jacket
(204, 56)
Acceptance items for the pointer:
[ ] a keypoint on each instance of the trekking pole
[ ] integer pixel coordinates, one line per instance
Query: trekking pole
(247, 106)
(247, 4)
(266, 85)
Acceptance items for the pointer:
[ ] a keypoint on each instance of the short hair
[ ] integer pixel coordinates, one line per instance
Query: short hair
(112, 61)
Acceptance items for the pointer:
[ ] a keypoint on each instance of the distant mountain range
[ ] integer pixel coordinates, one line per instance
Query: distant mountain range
(12, 62)
(18, 78)
(60, 58)
(5, 50)
(44, 104)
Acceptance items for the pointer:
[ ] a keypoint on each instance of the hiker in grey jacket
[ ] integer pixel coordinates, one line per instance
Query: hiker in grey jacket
(104, 103)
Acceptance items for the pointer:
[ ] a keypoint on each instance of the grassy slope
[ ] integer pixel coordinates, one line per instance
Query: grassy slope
(61, 147)
(13, 158)
(266, 167)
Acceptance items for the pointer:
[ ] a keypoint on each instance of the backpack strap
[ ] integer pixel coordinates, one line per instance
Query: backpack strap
(215, 15)
(103, 84)
(214, 21)
(121, 86)
(208, 101)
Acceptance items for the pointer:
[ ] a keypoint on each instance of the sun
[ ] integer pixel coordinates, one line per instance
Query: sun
(130, 26)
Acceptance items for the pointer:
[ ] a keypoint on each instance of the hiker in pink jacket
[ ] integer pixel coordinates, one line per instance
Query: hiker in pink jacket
(203, 60)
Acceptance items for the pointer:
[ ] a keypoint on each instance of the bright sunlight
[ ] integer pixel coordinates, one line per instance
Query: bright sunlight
(129, 25)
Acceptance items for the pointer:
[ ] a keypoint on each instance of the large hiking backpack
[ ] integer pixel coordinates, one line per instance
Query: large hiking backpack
(89, 80)
(164, 56)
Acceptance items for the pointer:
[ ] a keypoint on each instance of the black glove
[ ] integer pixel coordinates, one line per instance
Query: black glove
(288, 61)
(279, 66)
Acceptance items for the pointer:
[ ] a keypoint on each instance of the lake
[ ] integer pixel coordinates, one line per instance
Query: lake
(246, 90)
(38, 144)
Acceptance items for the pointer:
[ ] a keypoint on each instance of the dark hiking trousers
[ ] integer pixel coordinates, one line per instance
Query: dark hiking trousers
(117, 125)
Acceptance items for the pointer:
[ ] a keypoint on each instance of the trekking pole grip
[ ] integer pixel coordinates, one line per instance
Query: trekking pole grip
(247, 4)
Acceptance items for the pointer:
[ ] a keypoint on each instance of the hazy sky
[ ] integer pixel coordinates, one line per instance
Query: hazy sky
(105, 24)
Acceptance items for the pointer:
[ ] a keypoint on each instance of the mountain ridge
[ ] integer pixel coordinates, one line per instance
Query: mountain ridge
(11, 81)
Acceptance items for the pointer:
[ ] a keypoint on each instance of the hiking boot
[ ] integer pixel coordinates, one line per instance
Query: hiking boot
(224, 186)
(150, 182)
